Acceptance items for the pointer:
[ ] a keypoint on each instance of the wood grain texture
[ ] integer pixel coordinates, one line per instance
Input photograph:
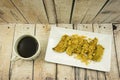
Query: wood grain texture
(60, 11)
(117, 44)
(114, 13)
(42, 69)
(22, 69)
(63, 10)
(2, 21)
(50, 9)
(80, 9)
(116, 19)
(6, 38)
(107, 29)
(85, 10)
(109, 12)
(85, 27)
(32, 10)
(93, 9)
(65, 72)
(9, 13)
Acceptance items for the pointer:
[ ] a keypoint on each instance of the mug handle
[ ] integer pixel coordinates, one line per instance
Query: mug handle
(15, 58)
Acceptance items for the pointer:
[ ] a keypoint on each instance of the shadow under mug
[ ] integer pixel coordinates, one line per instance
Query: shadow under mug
(17, 53)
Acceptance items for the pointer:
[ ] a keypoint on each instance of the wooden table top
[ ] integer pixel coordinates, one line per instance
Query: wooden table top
(38, 69)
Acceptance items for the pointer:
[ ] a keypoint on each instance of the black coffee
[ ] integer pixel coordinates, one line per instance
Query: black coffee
(27, 47)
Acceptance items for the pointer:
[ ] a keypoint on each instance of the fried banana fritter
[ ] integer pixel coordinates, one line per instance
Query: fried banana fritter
(74, 44)
(92, 46)
(62, 45)
(97, 55)
(85, 49)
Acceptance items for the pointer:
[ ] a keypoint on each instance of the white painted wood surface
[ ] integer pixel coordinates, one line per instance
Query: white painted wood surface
(21, 69)
(42, 70)
(6, 42)
(117, 44)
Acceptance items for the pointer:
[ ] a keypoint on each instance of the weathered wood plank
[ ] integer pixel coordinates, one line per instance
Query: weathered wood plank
(63, 10)
(6, 38)
(65, 72)
(80, 9)
(21, 69)
(107, 29)
(50, 8)
(85, 10)
(43, 70)
(116, 19)
(2, 21)
(9, 13)
(85, 27)
(114, 12)
(69, 26)
(117, 44)
(33, 10)
(109, 12)
(93, 9)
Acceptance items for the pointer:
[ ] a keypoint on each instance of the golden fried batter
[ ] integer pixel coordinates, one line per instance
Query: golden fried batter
(97, 55)
(85, 50)
(62, 45)
(92, 46)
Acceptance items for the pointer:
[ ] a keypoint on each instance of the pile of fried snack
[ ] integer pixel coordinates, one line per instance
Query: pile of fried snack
(83, 48)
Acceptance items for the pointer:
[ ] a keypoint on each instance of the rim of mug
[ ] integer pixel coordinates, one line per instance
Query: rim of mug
(29, 58)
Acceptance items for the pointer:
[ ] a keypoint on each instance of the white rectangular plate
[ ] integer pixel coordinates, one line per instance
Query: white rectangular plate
(62, 58)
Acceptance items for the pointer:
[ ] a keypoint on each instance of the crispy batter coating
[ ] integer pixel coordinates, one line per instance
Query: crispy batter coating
(92, 46)
(62, 45)
(85, 49)
(97, 55)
